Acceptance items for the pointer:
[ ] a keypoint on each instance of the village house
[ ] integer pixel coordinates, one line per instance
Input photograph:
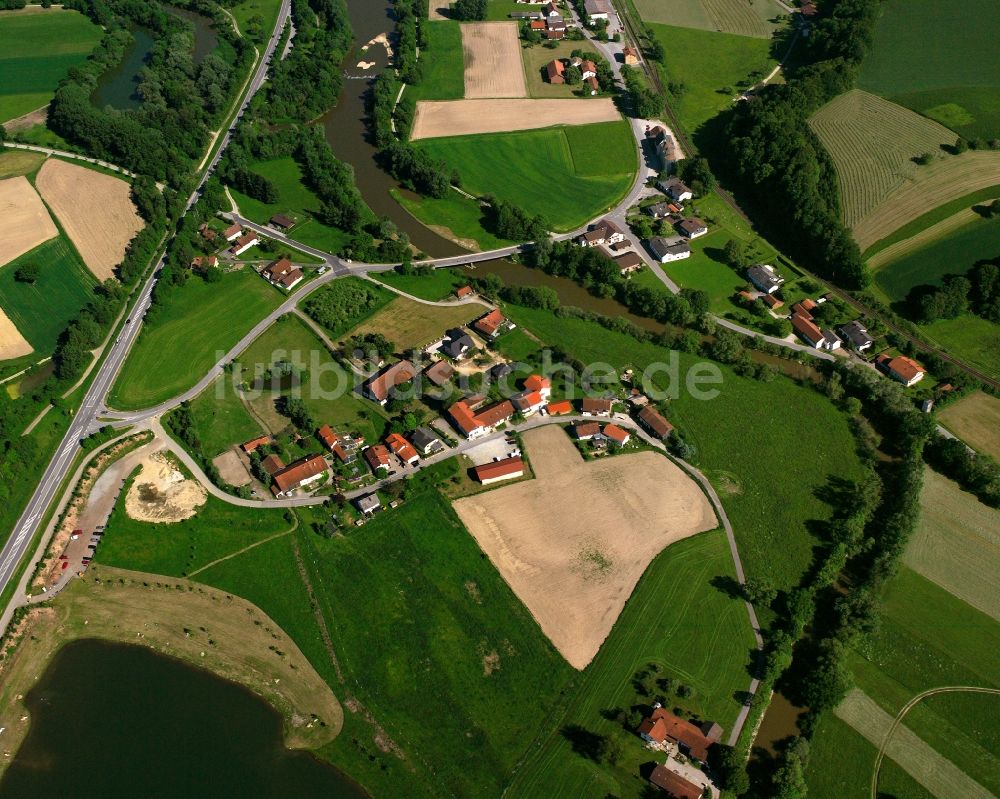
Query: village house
(439, 372)
(506, 469)
(377, 458)
(588, 69)
(654, 422)
(597, 9)
(272, 464)
(554, 71)
(596, 407)
(328, 438)
(906, 370)
(803, 324)
(282, 221)
(425, 442)
(377, 388)
(492, 324)
(457, 345)
(554, 34)
(282, 273)
(244, 243)
(586, 431)
(628, 263)
(561, 408)
(476, 424)
(464, 291)
(500, 371)
(540, 384)
(676, 189)
(675, 784)
(692, 227)
(604, 232)
(804, 307)
(666, 250)
(232, 232)
(204, 261)
(693, 741)
(592, 85)
(855, 334)
(537, 24)
(659, 210)
(368, 504)
(528, 403)
(402, 449)
(665, 146)
(551, 10)
(297, 474)
(616, 435)
(765, 278)
(771, 301)
(254, 443)
(630, 56)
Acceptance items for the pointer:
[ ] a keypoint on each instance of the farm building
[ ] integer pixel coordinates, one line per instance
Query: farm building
(377, 458)
(368, 504)
(253, 443)
(765, 278)
(492, 324)
(771, 301)
(282, 221)
(855, 334)
(378, 387)
(282, 273)
(272, 464)
(402, 449)
(675, 189)
(596, 407)
(475, 424)
(674, 784)
(300, 473)
(507, 469)
(597, 9)
(692, 227)
(666, 250)
(654, 422)
(629, 262)
(244, 243)
(554, 71)
(906, 370)
(693, 741)
(439, 372)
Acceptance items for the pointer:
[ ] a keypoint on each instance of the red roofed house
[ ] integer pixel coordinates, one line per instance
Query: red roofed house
(674, 784)
(377, 458)
(554, 71)
(538, 24)
(494, 472)
(693, 741)
(404, 449)
(232, 232)
(253, 443)
(328, 437)
(463, 291)
(492, 324)
(475, 424)
(804, 308)
(653, 421)
(771, 301)
(616, 435)
(906, 370)
(584, 431)
(596, 407)
(272, 464)
(244, 243)
(377, 388)
(807, 329)
(302, 472)
(630, 55)
(559, 408)
(588, 69)
(540, 384)
(528, 402)
(554, 34)
(282, 273)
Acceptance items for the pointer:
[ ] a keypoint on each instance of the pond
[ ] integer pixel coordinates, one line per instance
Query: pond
(120, 720)
(205, 37)
(117, 87)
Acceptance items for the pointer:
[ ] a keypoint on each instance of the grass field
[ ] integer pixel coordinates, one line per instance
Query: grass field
(19, 162)
(727, 16)
(659, 625)
(40, 47)
(569, 174)
(169, 357)
(220, 419)
(955, 252)
(441, 63)
(957, 543)
(764, 521)
(976, 420)
(455, 217)
(706, 63)
(293, 198)
(971, 338)
(41, 310)
(439, 285)
(872, 143)
(412, 324)
(959, 82)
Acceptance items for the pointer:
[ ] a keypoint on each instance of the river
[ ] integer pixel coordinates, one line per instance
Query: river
(120, 720)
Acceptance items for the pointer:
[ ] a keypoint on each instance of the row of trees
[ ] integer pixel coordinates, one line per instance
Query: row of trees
(977, 291)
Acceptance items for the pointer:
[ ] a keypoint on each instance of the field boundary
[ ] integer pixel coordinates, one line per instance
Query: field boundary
(894, 252)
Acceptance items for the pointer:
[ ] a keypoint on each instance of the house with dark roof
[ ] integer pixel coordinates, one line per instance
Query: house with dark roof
(282, 273)
(272, 464)
(425, 442)
(300, 473)
(597, 9)
(457, 344)
(692, 227)
(666, 250)
(675, 189)
(282, 221)
(628, 263)
(439, 372)
(378, 388)
(500, 371)
(658, 210)
(654, 422)
(856, 335)
(586, 431)
(765, 278)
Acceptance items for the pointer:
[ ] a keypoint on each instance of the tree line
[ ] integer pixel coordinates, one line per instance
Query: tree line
(978, 292)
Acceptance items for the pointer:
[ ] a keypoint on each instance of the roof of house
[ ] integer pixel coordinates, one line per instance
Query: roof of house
(659, 209)
(586, 429)
(439, 372)
(615, 433)
(771, 301)
(327, 436)
(663, 725)
(272, 464)
(423, 438)
(463, 291)
(368, 502)
(594, 405)
(390, 377)
(597, 6)
(691, 225)
(537, 383)
(591, 81)
(559, 408)
(538, 24)
(677, 186)
(276, 269)
(856, 333)
(377, 456)
(282, 220)
(253, 443)
(630, 50)
(501, 370)
(291, 277)
(655, 421)
(804, 308)
(490, 322)
(553, 32)
(764, 274)
(244, 240)
(342, 454)
(232, 230)
(403, 448)
(661, 246)
(674, 784)
(506, 467)
(527, 400)
(628, 260)
(302, 469)
(457, 343)
(905, 368)
(554, 69)
(469, 420)
(806, 328)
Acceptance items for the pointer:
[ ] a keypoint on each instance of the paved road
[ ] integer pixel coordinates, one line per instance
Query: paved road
(90, 408)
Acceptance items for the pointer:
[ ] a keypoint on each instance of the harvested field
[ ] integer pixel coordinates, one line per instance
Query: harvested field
(728, 16)
(161, 493)
(976, 420)
(957, 543)
(26, 221)
(462, 117)
(437, 9)
(12, 343)
(926, 765)
(944, 180)
(74, 193)
(925, 237)
(872, 143)
(231, 469)
(492, 60)
(575, 570)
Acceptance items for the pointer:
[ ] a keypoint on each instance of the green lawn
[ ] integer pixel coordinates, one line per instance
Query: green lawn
(768, 482)
(455, 217)
(294, 198)
(729, 16)
(970, 338)
(664, 623)
(39, 48)
(41, 310)
(517, 345)
(438, 285)
(442, 64)
(220, 419)
(707, 62)
(184, 337)
(567, 174)
(265, 10)
(537, 57)
(954, 253)
(959, 82)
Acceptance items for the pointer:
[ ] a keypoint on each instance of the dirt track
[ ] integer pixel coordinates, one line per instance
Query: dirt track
(463, 117)
(95, 210)
(492, 60)
(26, 222)
(573, 542)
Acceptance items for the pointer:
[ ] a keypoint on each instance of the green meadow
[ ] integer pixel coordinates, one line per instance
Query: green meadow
(973, 339)
(567, 174)
(39, 48)
(183, 335)
(41, 310)
(442, 63)
(455, 217)
(438, 285)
